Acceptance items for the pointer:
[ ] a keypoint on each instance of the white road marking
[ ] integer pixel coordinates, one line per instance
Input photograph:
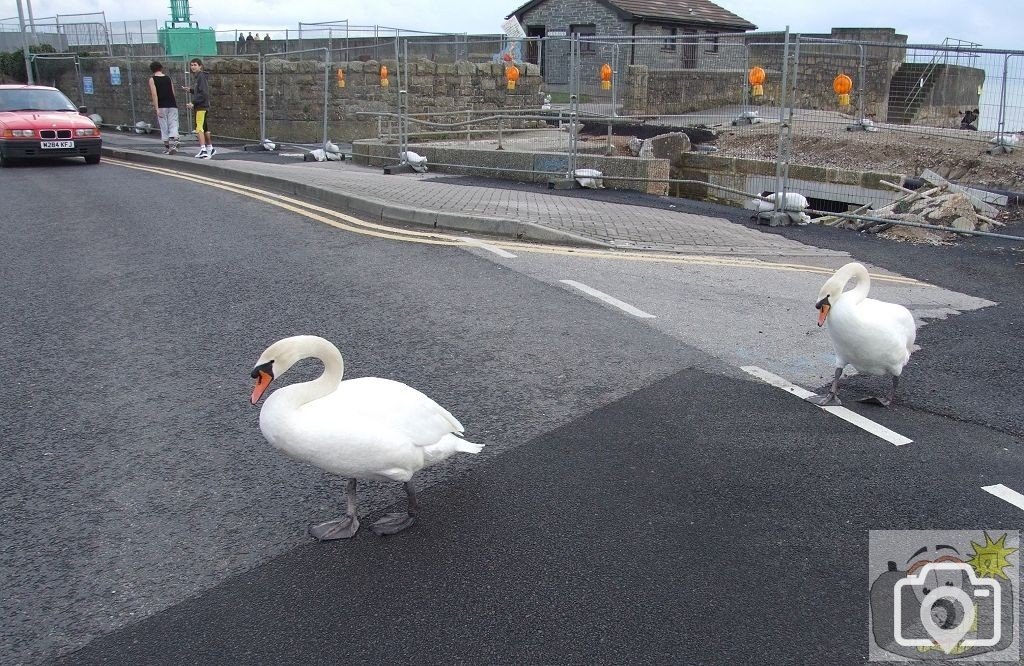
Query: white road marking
(854, 418)
(1004, 493)
(490, 248)
(876, 429)
(611, 300)
(777, 381)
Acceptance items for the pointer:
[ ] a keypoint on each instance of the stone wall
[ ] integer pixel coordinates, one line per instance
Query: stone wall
(438, 48)
(881, 50)
(956, 90)
(678, 91)
(852, 187)
(295, 94)
(869, 56)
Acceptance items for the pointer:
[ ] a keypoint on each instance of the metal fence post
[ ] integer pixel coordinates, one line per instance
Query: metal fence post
(403, 125)
(574, 68)
(1002, 97)
(25, 46)
(131, 90)
(404, 94)
(573, 111)
(743, 75)
(615, 87)
(261, 75)
(860, 92)
(789, 124)
(81, 83)
(782, 107)
(327, 90)
(398, 98)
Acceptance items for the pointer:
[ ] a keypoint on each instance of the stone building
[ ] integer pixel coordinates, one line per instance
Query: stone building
(663, 34)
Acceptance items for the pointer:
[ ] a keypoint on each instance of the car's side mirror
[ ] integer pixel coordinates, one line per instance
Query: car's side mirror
(83, 110)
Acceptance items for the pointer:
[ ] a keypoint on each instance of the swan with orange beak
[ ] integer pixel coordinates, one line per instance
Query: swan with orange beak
(873, 336)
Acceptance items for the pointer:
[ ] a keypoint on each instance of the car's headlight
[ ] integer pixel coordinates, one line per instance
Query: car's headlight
(88, 131)
(10, 134)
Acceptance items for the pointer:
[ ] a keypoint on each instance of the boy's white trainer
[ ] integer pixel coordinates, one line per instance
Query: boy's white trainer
(202, 154)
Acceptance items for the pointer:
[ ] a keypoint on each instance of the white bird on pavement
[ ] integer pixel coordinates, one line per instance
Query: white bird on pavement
(873, 336)
(366, 428)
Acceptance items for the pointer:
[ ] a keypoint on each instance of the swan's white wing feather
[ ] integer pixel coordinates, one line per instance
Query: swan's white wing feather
(390, 404)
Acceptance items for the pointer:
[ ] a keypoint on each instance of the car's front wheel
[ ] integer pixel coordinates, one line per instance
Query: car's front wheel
(92, 159)
(5, 161)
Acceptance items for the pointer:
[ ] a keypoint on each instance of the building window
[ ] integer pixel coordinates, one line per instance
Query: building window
(669, 43)
(711, 46)
(586, 31)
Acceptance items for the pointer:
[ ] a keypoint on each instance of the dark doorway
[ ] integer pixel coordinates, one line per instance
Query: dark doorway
(534, 34)
(688, 50)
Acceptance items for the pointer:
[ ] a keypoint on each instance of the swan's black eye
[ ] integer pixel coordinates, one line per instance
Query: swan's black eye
(819, 304)
(267, 367)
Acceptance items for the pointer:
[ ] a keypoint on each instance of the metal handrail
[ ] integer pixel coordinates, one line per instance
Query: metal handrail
(934, 63)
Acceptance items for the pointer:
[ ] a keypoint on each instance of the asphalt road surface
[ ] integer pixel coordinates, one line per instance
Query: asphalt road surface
(640, 499)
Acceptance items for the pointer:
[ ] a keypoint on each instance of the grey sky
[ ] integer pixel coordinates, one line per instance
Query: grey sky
(992, 23)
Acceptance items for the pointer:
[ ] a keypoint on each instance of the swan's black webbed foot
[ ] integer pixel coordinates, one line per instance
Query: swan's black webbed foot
(827, 400)
(342, 528)
(393, 523)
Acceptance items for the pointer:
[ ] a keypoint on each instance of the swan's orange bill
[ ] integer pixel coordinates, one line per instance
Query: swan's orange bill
(262, 382)
(822, 314)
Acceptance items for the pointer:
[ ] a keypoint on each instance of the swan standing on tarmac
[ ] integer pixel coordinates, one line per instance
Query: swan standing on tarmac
(873, 336)
(366, 428)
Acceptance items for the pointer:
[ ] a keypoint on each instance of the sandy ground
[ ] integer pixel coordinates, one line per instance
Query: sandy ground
(959, 155)
(821, 138)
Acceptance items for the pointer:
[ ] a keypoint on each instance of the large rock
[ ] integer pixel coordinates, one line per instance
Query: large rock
(670, 146)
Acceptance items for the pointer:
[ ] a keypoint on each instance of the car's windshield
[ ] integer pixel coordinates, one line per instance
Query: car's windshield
(27, 99)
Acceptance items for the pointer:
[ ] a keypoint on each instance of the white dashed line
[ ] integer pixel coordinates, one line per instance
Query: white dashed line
(490, 248)
(1004, 493)
(610, 300)
(854, 418)
(777, 381)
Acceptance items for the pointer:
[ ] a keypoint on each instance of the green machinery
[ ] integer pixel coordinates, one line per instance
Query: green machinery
(181, 36)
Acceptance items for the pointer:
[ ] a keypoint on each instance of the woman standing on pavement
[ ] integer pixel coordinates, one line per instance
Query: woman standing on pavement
(161, 91)
(201, 103)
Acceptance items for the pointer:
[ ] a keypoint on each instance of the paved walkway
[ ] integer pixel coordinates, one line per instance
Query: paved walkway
(448, 202)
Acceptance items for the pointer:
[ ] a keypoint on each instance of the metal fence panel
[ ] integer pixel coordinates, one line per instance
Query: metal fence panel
(296, 91)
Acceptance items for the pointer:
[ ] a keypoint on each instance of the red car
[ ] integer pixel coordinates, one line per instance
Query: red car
(39, 121)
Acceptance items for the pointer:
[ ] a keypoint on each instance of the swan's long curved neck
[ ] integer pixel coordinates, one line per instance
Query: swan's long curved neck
(854, 272)
(327, 382)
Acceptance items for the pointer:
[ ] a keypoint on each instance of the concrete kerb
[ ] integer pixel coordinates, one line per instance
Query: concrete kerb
(375, 209)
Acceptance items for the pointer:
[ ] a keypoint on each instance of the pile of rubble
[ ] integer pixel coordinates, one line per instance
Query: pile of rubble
(931, 213)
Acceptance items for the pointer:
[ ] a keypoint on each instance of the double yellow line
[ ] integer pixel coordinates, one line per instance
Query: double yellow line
(352, 224)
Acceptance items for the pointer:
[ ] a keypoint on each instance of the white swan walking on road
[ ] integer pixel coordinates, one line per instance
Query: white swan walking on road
(873, 336)
(367, 428)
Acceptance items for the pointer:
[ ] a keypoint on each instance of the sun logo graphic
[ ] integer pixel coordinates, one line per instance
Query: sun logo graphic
(990, 559)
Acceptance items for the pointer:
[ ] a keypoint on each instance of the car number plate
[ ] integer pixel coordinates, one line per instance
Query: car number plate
(57, 144)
